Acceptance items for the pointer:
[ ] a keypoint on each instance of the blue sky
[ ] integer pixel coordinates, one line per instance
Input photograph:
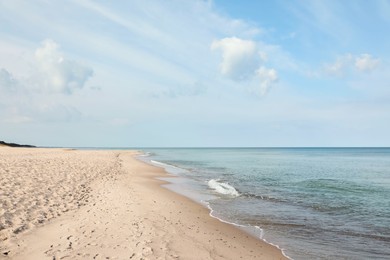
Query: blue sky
(195, 73)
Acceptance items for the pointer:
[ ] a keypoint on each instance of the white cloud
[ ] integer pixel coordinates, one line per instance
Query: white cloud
(365, 62)
(267, 78)
(239, 59)
(348, 63)
(339, 67)
(36, 94)
(56, 73)
(50, 72)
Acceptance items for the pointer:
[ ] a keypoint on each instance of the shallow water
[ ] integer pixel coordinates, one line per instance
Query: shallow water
(315, 203)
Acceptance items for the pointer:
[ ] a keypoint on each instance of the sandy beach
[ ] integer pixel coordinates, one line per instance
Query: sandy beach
(75, 204)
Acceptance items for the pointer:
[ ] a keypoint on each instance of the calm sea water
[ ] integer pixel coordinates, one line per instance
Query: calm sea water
(315, 203)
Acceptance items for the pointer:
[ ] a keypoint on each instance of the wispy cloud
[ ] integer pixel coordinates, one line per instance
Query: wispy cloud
(365, 62)
(348, 63)
(327, 17)
(267, 78)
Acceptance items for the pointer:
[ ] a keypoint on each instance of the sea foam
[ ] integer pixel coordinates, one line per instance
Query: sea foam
(164, 165)
(222, 188)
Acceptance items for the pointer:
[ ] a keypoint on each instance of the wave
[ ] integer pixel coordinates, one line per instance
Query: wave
(164, 165)
(263, 197)
(146, 154)
(222, 188)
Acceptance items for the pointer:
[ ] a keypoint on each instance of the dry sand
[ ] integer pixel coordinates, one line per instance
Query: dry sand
(70, 204)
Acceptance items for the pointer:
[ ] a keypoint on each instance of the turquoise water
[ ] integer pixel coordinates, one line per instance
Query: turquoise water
(315, 203)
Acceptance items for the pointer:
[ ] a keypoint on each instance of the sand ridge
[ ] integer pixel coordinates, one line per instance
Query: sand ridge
(126, 215)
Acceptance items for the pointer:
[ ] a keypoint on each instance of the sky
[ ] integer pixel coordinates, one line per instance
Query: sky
(188, 73)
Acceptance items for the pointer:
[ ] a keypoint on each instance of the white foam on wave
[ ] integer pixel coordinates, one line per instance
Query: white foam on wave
(145, 154)
(164, 165)
(222, 188)
(159, 163)
(171, 169)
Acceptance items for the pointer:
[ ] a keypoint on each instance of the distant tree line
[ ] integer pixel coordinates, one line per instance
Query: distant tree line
(15, 145)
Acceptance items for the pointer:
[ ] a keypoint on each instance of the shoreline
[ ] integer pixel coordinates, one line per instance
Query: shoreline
(197, 198)
(127, 214)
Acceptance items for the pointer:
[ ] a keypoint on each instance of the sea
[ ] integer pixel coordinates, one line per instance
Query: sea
(313, 203)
